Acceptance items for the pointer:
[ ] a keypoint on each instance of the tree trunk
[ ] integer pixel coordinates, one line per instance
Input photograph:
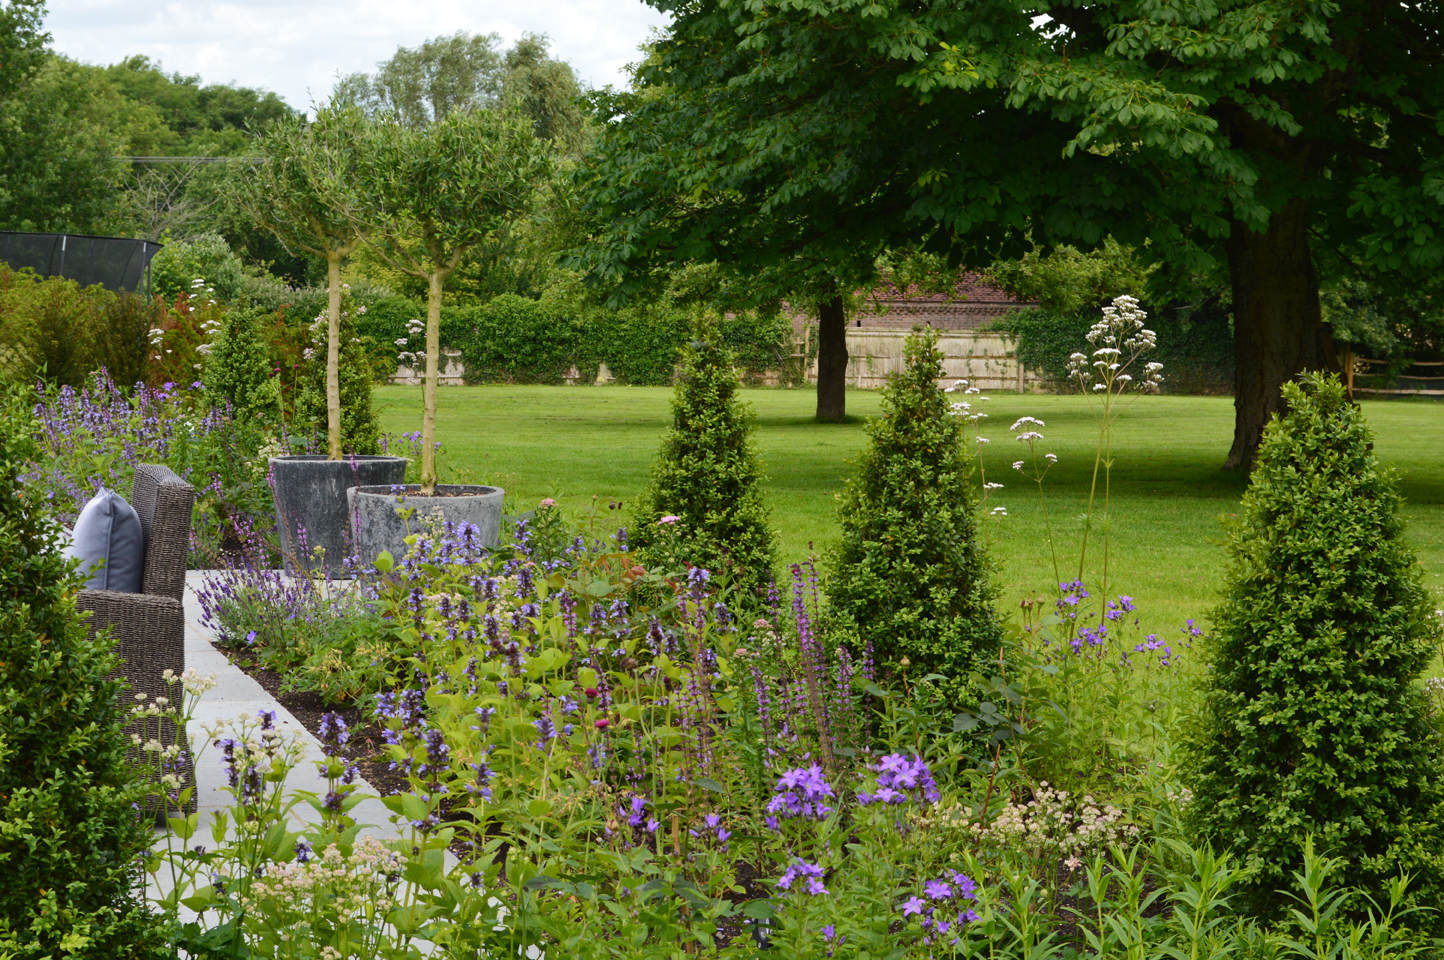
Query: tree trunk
(333, 356)
(428, 389)
(1278, 331)
(832, 360)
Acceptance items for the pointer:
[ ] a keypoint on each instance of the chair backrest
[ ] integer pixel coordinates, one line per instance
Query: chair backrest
(164, 503)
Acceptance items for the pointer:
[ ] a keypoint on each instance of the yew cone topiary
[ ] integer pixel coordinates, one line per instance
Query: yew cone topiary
(1313, 722)
(908, 575)
(238, 368)
(70, 831)
(704, 504)
(356, 370)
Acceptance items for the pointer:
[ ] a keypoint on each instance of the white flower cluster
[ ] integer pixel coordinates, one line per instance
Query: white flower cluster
(1118, 340)
(414, 329)
(346, 888)
(199, 289)
(963, 408)
(1053, 826)
(210, 326)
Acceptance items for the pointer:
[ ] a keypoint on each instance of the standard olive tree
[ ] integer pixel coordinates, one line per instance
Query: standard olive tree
(297, 193)
(427, 195)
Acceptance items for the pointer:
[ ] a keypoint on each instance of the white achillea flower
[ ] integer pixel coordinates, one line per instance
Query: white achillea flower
(992, 486)
(1018, 465)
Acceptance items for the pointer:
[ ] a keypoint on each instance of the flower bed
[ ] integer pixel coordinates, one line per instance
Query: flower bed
(635, 762)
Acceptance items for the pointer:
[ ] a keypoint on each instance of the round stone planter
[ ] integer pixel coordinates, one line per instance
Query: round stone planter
(378, 513)
(311, 511)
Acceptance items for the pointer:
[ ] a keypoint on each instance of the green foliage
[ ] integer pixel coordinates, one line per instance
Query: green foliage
(57, 167)
(1384, 323)
(69, 837)
(1312, 722)
(238, 366)
(1067, 280)
(68, 331)
(516, 340)
(641, 344)
(195, 119)
(22, 42)
(908, 576)
(707, 474)
(207, 257)
(356, 367)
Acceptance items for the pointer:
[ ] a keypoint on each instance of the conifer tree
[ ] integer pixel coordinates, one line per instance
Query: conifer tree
(238, 367)
(356, 370)
(1313, 722)
(909, 576)
(704, 505)
(70, 836)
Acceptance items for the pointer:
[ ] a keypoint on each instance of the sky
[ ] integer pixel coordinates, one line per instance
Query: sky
(298, 47)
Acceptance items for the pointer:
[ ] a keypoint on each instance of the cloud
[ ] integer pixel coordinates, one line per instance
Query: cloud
(298, 47)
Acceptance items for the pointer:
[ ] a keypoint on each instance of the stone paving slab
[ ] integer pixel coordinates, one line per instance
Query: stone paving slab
(237, 695)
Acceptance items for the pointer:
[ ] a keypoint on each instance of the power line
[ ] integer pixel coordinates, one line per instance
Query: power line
(192, 159)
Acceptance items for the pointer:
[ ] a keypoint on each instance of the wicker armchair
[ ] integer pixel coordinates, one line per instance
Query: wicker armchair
(149, 627)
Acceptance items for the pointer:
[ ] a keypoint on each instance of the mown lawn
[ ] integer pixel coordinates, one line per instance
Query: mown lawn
(1168, 489)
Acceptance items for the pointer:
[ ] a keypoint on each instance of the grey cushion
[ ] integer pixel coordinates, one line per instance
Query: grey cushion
(110, 544)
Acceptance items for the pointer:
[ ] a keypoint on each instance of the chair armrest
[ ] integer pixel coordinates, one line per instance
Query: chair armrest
(149, 634)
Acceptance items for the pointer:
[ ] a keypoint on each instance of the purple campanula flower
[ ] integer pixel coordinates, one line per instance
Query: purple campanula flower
(811, 873)
(800, 793)
(900, 779)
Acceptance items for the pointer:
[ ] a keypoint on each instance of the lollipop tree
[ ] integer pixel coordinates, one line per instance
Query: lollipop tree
(426, 196)
(298, 192)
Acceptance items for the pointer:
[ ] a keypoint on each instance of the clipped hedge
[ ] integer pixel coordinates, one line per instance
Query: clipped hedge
(513, 339)
(1196, 351)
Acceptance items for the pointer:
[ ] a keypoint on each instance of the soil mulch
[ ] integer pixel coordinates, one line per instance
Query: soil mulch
(366, 748)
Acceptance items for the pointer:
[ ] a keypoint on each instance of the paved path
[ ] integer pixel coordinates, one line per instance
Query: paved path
(237, 695)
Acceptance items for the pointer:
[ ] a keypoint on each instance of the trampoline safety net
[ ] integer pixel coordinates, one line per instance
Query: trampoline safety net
(116, 263)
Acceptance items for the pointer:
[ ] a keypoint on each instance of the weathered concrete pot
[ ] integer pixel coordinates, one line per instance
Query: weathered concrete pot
(377, 512)
(310, 496)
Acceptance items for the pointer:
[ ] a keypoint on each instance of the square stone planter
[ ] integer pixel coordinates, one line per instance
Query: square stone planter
(311, 506)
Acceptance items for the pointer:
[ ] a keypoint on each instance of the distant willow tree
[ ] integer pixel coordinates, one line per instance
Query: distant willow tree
(467, 72)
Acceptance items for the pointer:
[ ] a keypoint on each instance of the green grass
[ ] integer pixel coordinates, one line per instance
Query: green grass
(1168, 488)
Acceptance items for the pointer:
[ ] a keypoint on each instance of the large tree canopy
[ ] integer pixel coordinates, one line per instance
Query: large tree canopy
(1266, 136)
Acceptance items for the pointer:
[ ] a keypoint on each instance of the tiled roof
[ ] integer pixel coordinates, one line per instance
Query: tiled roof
(971, 287)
